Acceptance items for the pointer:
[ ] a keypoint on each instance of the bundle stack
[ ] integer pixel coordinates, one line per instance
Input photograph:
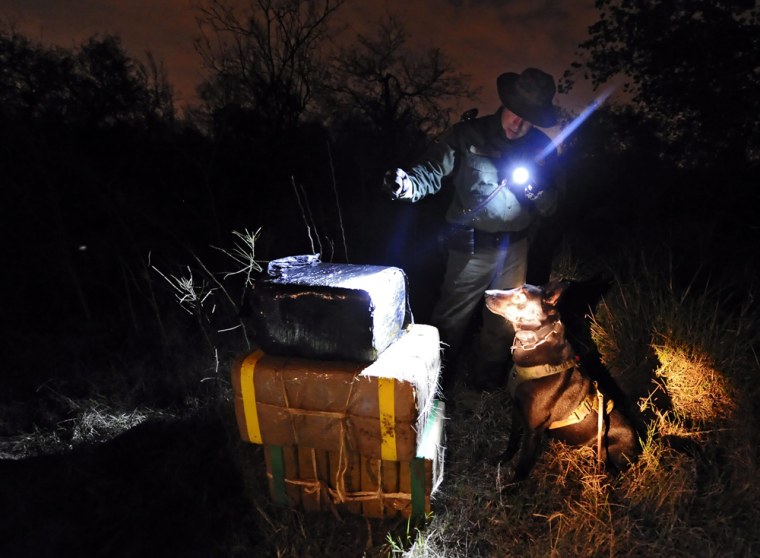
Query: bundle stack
(361, 433)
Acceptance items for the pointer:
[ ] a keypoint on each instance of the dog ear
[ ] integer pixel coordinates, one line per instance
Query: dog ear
(553, 291)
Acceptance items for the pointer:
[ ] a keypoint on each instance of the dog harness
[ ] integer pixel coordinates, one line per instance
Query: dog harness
(589, 403)
(520, 374)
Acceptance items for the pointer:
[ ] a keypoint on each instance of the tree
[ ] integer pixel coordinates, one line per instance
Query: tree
(108, 84)
(397, 99)
(154, 76)
(690, 68)
(265, 61)
(97, 84)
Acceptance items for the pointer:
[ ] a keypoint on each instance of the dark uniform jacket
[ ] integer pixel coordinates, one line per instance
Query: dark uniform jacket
(477, 156)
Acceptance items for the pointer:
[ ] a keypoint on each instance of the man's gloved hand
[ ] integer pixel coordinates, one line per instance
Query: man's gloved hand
(527, 192)
(533, 191)
(397, 184)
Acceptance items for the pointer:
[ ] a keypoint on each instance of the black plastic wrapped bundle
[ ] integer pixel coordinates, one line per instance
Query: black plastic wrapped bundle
(327, 311)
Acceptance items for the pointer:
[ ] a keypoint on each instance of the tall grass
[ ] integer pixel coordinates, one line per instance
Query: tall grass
(687, 354)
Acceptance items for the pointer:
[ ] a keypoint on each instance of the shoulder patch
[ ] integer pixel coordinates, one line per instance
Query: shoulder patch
(492, 153)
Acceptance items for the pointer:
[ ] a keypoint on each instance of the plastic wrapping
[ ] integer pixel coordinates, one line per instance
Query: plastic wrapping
(327, 311)
(374, 410)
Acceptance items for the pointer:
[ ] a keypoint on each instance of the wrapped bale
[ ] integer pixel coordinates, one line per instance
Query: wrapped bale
(318, 480)
(317, 310)
(374, 410)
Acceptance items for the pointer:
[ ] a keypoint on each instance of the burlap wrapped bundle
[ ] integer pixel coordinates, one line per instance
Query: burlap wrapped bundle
(375, 410)
(318, 480)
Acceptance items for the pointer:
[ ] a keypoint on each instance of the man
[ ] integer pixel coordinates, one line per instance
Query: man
(491, 210)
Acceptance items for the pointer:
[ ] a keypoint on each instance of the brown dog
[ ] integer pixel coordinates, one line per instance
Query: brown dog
(550, 393)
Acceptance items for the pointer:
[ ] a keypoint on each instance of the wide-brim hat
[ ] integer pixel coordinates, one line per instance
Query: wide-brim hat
(529, 95)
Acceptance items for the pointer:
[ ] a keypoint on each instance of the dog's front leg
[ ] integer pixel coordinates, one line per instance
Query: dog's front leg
(515, 434)
(528, 453)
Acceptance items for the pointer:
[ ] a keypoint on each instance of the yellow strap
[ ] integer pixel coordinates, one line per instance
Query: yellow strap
(578, 414)
(535, 372)
(599, 424)
(590, 403)
(520, 374)
(387, 405)
(249, 396)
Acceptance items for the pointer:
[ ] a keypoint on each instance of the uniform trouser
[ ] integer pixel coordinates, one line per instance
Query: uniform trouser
(467, 277)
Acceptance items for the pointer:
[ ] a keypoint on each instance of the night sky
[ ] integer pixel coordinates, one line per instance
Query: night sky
(482, 37)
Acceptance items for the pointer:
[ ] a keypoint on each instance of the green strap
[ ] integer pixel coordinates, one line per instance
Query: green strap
(426, 450)
(418, 488)
(278, 475)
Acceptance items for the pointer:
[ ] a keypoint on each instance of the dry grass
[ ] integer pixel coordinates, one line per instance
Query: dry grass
(91, 422)
(701, 395)
(692, 492)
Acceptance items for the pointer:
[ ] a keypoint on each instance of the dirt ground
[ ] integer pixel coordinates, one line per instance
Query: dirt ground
(165, 488)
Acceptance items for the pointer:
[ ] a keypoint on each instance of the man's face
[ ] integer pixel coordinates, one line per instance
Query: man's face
(514, 126)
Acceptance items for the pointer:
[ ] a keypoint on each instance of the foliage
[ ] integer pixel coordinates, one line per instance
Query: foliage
(94, 177)
(687, 493)
(311, 123)
(273, 66)
(96, 84)
(393, 96)
(690, 68)
(266, 61)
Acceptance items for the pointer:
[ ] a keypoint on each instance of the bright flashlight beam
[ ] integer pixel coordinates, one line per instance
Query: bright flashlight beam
(570, 128)
(520, 175)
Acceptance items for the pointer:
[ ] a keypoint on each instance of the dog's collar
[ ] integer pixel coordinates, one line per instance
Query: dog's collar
(527, 339)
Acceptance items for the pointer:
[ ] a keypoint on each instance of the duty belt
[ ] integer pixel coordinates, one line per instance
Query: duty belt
(466, 239)
(498, 239)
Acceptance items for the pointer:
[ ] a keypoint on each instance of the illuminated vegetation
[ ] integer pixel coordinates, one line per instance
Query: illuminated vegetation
(690, 493)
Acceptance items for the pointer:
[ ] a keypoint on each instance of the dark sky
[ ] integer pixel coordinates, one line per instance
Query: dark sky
(482, 37)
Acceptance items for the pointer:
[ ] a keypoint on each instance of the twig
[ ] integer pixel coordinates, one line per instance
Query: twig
(250, 265)
(337, 202)
(244, 255)
(303, 214)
